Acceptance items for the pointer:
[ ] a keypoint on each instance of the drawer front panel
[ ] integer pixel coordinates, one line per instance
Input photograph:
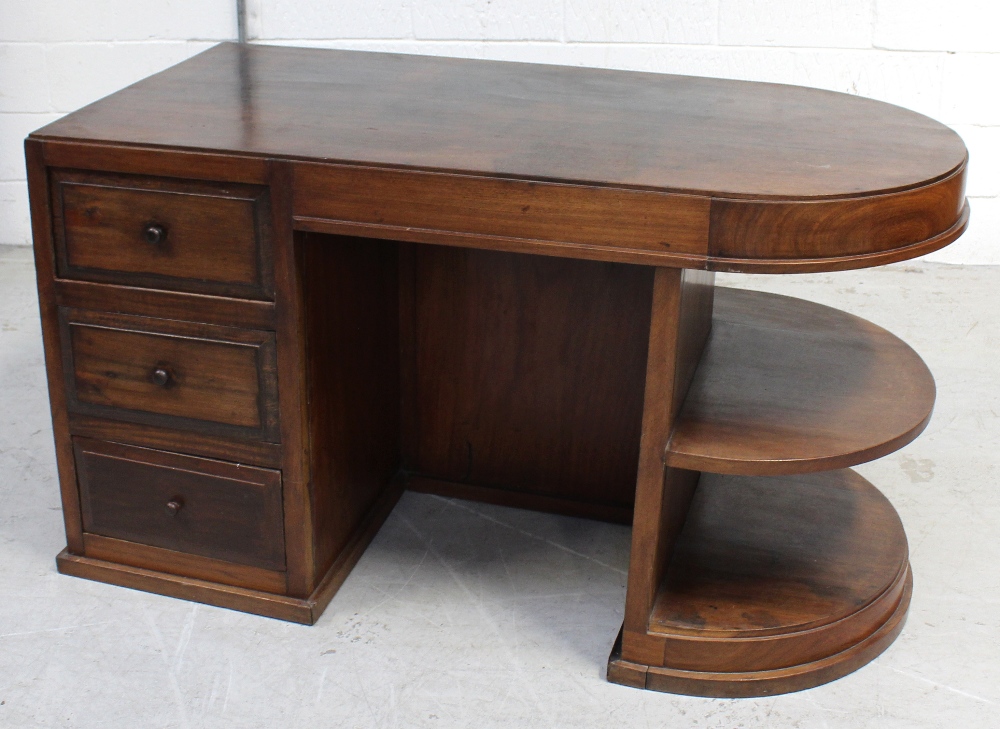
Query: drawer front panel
(192, 505)
(182, 236)
(176, 374)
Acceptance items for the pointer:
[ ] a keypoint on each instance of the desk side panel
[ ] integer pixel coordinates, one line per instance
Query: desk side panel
(351, 315)
(45, 269)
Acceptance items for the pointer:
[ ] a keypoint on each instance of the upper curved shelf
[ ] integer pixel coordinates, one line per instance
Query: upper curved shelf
(788, 386)
(746, 176)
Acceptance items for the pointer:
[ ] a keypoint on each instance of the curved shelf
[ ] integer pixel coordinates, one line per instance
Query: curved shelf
(780, 583)
(789, 386)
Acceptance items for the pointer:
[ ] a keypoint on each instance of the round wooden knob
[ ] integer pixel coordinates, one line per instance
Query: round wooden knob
(154, 234)
(161, 376)
(174, 506)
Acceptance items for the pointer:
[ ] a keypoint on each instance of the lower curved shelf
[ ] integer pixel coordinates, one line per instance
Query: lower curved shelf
(776, 584)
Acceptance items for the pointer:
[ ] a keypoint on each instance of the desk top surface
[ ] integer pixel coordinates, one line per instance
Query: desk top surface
(723, 138)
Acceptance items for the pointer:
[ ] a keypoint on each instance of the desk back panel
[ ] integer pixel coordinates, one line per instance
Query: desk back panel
(529, 373)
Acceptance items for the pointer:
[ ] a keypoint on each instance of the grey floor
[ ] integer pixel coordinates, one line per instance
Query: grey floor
(461, 614)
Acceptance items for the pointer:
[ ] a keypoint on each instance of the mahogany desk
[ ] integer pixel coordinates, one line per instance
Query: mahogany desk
(280, 286)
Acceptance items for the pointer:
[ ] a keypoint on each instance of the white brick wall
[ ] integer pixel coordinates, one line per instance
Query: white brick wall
(942, 59)
(58, 55)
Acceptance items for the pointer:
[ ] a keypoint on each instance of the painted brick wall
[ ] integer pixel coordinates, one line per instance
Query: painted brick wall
(942, 59)
(58, 55)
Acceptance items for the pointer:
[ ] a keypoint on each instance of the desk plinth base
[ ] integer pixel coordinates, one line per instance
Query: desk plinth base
(748, 684)
(776, 584)
(305, 610)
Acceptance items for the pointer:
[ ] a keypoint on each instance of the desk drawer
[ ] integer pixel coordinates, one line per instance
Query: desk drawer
(216, 380)
(180, 236)
(193, 505)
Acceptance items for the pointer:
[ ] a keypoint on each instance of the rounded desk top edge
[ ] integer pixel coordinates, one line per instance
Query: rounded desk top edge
(916, 206)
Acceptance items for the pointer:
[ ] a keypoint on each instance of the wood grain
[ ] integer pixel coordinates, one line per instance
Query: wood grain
(477, 287)
(531, 499)
(293, 394)
(220, 380)
(777, 584)
(681, 316)
(350, 290)
(257, 602)
(403, 205)
(148, 161)
(529, 373)
(45, 273)
(780, 554)
(217, 236)
(747, 684)
(526, 121)
(250, 452)
(365, 530)
(183, 563)
(796, 230)
(221, 310)
(246, 599)
(225, 511)
(583, 163)
(827, 262)
(789, 386)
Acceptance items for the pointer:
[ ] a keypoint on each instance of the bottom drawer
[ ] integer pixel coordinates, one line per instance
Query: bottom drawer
(198, 506)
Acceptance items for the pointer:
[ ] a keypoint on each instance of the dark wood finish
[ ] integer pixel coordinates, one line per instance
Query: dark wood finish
(777, 577)
(298, 610)
(352, 329)
(466, 277)
(408, 422)
(183, 563)
(529, 373)
(159, 233)
(365, 530)
(293, 393)
(168, 373)
(680, 320)
(730, 685)
(223, 511)
(252, 452)
(845, 262)
(521, 499)
(643, 130)
(764, 556)
(401, 205)
(248, 600)
(745, 229)
(789, 386)
(714, 139)
(177, 163)
(165, 304)
(45, 272)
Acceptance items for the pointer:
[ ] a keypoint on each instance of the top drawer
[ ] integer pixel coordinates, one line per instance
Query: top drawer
(188, 236)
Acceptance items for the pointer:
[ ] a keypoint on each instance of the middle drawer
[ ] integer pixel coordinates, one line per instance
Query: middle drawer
(212, 379)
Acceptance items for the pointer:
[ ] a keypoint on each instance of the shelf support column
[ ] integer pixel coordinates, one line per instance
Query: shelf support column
(679, 327)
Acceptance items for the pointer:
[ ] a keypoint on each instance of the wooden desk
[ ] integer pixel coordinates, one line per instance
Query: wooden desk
(280, 286)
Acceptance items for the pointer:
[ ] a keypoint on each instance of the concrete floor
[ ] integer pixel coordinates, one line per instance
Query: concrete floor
(462, 614)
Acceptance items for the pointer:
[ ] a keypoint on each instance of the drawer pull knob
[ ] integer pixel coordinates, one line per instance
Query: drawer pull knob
(174, 506)
(161, 377)
(154, 234)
